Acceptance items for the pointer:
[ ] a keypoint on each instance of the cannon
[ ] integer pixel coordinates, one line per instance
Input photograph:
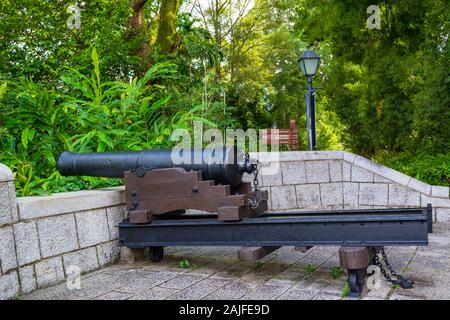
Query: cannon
(224, 165)
(167, 181)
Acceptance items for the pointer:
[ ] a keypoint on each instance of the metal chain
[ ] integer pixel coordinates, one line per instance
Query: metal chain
(255, 178)
(398, 279)
(254, 203)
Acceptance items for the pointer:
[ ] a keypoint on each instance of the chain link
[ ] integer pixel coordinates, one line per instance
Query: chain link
(398, 279)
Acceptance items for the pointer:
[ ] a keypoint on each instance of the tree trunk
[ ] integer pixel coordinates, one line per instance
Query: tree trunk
(136, 24)
(136, 19)
(168, 38)
(218, 32)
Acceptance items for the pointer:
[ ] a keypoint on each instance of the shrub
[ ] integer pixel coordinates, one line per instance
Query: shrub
(83, 114)
(431, 168)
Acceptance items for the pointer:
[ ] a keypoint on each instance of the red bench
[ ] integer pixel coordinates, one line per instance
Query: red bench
(282, 136)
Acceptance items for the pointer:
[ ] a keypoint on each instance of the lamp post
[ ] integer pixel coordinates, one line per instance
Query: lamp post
(309, 62)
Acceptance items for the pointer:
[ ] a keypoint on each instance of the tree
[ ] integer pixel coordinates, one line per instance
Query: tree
(36, 41)
(373, 79)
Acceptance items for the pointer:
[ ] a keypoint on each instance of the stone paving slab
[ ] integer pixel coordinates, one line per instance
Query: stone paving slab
(216, 273)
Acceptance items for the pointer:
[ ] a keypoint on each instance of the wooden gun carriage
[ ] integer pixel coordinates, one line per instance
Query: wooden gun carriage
(159, 188)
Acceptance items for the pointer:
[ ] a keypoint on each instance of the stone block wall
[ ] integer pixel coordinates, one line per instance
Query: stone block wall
(44, 238)
(332, 180)
(9, 277)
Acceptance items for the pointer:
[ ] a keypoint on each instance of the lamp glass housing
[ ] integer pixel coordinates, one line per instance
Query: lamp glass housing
(309, 62)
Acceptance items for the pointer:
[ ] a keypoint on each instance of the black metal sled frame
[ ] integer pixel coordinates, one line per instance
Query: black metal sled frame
(378, 227)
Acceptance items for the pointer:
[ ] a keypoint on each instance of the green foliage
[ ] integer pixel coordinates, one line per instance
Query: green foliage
(84, 114)
(345, 290)
(183, 264)
(18, 296)
(389, 87)
(310, 268)
(336, 272)
(36, 42)
(431, 168)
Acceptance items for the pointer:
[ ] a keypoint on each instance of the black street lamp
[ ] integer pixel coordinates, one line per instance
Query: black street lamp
(309, 62)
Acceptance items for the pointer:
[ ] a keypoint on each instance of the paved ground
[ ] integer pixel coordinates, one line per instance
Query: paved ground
(215, 273)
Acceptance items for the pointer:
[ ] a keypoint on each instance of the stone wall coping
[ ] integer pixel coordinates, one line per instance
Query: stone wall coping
(69, 202)
(6, 174)
(361, 162)
(297, 155)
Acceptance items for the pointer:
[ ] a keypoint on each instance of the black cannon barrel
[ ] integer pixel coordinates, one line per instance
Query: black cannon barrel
(225, 165)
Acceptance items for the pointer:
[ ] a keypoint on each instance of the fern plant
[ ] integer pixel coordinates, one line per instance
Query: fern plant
(84, 114)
